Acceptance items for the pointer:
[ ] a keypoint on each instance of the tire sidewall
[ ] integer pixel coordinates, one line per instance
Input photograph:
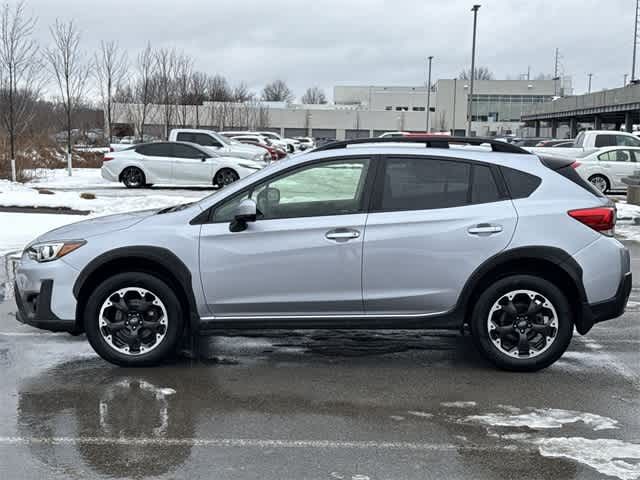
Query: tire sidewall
(522, 282)
(157, 287)
(220, 172)
(126, 184)
(607, 183)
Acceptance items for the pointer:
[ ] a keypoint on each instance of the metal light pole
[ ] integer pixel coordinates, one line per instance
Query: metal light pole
(589, 87)
(474, 9)
(635, 43)
(430, 58)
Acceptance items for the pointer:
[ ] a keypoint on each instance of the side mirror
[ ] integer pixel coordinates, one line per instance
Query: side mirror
(245, 212)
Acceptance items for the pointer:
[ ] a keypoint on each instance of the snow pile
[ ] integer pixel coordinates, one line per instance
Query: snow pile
(59, 178)
(543, 418)
(458, 404)
(627, 211)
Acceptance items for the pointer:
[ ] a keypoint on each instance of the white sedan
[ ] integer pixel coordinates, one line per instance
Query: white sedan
(175, 163)
(605, 168)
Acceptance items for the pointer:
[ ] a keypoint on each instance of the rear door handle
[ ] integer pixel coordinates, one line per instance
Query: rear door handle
(484, 228)
(342, 234)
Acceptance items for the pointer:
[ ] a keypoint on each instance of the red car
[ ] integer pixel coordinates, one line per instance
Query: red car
(276, 154)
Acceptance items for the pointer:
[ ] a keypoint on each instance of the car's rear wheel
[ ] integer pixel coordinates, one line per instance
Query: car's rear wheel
(133, 177)
(600, 182)
(225, 176)
(133, 319)
(522, 323)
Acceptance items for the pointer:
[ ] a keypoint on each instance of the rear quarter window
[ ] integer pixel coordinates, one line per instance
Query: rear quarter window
(520, 184)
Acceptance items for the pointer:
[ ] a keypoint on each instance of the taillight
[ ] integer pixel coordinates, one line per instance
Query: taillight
(106, 158)
(601, 219)
(575, 164)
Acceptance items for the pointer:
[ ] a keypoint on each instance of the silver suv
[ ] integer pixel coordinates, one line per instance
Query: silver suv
(432, 232)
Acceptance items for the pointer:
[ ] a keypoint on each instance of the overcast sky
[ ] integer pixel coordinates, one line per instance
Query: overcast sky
(379, 42)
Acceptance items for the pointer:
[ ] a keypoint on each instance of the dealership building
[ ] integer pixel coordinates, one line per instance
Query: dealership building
(370, 110)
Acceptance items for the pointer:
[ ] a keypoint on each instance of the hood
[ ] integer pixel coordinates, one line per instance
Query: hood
(243, 147)
(95, 226)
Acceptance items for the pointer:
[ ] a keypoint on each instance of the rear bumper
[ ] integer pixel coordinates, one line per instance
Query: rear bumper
(611, 308)
(35, 309)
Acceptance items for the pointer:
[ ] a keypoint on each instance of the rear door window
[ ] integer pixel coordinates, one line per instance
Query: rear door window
(605, 140)
(155, 150)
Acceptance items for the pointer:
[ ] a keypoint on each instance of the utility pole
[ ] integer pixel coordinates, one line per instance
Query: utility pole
(474, 9)
(455, 89)
(589, 87)
(555, 74)
(635, 43)
(430, 58)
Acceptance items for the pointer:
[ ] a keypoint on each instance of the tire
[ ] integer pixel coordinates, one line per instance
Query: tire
(290, 148)
(225, 176)
(155, 343)
(600, 182)
(133, 177)
(494, 329)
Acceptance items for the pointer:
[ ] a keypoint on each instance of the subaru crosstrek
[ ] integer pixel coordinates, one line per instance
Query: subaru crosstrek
(433, 232)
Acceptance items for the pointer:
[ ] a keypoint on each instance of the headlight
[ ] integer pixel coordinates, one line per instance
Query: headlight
(252, 166)
(49, 251)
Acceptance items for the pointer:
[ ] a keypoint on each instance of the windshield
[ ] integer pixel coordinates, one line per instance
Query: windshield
(223, 139)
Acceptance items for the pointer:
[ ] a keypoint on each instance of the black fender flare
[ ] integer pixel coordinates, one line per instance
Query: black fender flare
(562, 262)
(166, 260)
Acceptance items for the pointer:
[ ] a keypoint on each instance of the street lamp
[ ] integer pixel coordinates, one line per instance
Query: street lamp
(429, 92)
(474, 9)
(589, 87)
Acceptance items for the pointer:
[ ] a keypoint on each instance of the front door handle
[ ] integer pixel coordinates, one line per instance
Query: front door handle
(342, 234)
(484, 228)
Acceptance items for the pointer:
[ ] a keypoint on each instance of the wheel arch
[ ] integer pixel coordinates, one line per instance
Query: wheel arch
(553, 264)
(156, 261)
(600, 173)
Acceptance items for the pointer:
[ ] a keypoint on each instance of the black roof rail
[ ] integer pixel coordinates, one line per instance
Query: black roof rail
(430, 141)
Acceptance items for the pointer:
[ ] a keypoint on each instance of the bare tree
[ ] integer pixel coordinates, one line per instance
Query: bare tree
(183, 72)
(198, 93)
(69, 70)
(110, 71)
(20, 73)
(241, 93)
(313, 96)
(277, 91)
(218, 89)
(480, 73)
(144, 91)
(166, 64)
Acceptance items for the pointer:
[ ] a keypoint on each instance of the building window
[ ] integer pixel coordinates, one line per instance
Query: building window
(402, 109)
(418, 109)
(388, 108)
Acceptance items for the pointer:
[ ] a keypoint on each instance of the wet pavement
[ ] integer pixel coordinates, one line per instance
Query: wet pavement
(352, 405)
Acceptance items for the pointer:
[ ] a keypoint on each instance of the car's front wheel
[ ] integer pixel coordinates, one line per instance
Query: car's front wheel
(133, 319)
(522, 323)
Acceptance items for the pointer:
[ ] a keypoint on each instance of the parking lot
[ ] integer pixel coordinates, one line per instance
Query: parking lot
(320, 404)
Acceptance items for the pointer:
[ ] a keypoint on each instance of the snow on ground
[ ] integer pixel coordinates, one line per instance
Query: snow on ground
(18, 229)
(59, 178)
(458, 404)
(18, 195)
(543, 418)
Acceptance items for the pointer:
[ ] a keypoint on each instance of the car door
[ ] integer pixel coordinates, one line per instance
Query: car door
(432, 223)
(192, 166)
(303, 254)
(622, 165)
(157, 161)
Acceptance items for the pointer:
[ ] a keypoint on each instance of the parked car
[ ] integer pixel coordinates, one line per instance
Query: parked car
(516, 249)
(589, 140)
(292, 145)
(277, 142)
(528, 142)
(306, 143)
(176, 163)
(219, 144)
(605, 168)
(276, 153)
(555, 143)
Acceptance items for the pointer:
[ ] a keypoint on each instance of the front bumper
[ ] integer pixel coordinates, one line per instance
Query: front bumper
(611, 308)
(35, 309)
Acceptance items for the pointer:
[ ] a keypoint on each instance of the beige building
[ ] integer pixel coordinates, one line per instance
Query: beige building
(363, 111)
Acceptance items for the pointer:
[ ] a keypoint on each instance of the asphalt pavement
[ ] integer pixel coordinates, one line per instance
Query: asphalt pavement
(351, 405)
